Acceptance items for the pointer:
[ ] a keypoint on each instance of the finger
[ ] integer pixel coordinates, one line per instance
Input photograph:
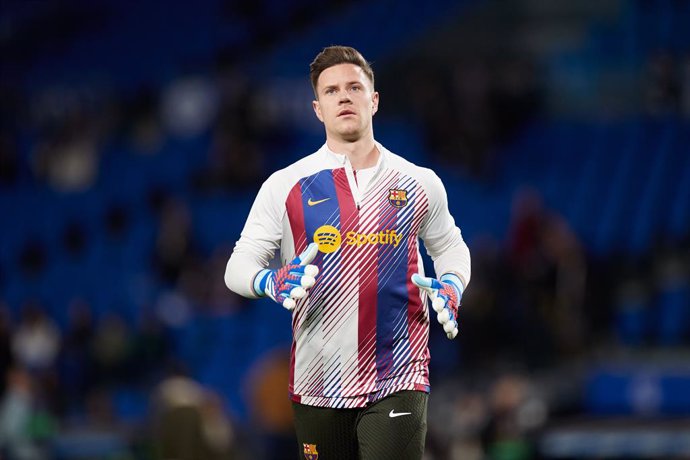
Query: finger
(443, 316)
(438, 304)
(289, 303)
(421, 281)
(298, 292)
(425, 282)
(451, 335)
(449, 327)
(311, 270)
(308, 281)
(307, 256)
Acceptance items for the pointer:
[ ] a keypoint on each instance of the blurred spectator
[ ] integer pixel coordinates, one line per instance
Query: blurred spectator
(24, 425)
(151, 347)
(6, 355)
(483, 332)
(71, 124)
(189, 422)
(112, 349)
(632, 296)
(671, 275)
(469, 417)
(36, 341)
(481, 418)
(194, 283)
(189, 106)
(566, 317)
(516, 412)
(142, 115)
(468, 106)
(456, 421)
(76, 359)
(471, 124)
(100, 414)
(527, 220)
(173, 309)
(550, 270)
(534, 276)
(235, 159)
(271, 410)
(80, 327)
(68, 159)
(174, 241)
(36, 344)
(217, 428)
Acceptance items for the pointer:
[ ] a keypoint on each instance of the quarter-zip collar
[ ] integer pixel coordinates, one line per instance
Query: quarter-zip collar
(343, 161)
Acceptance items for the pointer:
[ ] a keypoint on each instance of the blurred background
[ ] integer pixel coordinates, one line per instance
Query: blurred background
(134, 137)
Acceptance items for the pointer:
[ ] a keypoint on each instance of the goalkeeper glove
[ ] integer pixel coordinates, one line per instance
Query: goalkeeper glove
(291, 282)
(445, 297)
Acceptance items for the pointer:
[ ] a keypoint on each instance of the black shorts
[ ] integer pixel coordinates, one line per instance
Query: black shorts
(391, 428)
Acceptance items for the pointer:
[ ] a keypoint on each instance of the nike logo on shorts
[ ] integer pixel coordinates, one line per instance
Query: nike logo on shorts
(393, 414)
(314, 203)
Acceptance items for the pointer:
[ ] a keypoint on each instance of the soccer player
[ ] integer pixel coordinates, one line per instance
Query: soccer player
(347, 220)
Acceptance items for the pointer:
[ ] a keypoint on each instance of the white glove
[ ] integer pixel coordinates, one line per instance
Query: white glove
(291, 282)
(445, 295)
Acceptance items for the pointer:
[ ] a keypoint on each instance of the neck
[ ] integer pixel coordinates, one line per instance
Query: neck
(361, 153)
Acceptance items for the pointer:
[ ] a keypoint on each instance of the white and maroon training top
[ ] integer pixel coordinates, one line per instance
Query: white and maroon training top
(362, 333)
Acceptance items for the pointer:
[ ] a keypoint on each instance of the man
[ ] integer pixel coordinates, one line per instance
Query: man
(353, 211)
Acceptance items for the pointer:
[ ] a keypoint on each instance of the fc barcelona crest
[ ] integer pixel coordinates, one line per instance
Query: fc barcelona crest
(310, 452)
(398, 198)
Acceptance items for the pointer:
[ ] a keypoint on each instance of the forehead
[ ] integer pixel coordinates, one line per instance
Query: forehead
(342, 73)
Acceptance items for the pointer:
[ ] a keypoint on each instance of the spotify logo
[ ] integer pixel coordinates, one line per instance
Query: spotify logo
(328, 238)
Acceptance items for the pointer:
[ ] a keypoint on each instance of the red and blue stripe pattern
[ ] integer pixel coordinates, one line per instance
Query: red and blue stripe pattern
(362, 333)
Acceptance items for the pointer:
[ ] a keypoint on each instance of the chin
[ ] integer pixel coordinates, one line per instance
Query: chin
(351, 136)
(350, 130)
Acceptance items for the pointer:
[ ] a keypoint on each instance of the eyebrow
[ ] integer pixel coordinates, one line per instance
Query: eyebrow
(349, 83)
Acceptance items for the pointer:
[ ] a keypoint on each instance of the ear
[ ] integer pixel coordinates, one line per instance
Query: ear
(374, 102)
(317, 110)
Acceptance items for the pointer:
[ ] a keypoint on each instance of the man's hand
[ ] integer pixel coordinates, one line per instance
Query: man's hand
(445, 295)
(291, 282)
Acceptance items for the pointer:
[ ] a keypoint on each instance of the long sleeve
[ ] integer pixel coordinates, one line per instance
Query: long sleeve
(259, 240)
(442, 238)
(363, 308)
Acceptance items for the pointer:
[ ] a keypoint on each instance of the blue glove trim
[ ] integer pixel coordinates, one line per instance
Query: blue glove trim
(260, 280)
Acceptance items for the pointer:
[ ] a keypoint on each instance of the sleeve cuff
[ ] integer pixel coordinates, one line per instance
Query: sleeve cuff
(259, 282)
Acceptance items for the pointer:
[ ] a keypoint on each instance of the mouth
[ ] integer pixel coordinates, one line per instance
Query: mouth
(346, 112)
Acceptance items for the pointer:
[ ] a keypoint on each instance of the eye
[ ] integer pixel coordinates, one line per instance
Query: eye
(330, 91)
(356, 88)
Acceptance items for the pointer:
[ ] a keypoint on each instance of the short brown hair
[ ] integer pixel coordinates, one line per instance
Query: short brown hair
(334, 55)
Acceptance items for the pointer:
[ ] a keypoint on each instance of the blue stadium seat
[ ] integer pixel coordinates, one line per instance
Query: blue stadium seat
(673, 314)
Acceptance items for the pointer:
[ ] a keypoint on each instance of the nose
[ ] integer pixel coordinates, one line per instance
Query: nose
(345, 97)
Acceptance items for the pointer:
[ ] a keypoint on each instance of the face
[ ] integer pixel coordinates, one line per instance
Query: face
(346, 102)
